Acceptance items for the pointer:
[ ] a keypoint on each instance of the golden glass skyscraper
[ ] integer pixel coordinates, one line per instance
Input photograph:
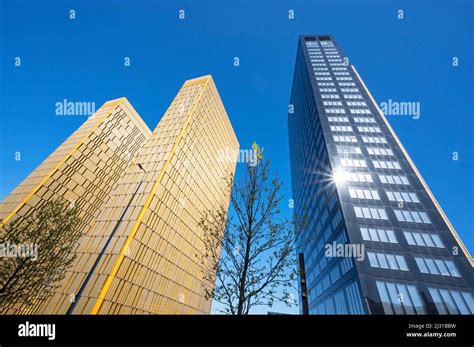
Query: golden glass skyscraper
(84, 170)
(142, 253)
(87, 165)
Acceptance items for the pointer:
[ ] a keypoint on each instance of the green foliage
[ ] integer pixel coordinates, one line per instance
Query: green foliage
(258, 261)
(53, 231)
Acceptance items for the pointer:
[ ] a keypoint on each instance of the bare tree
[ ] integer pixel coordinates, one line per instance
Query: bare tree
(50, 236)
(258, 261)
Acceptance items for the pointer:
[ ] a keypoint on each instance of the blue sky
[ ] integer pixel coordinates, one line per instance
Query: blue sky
(82, 60)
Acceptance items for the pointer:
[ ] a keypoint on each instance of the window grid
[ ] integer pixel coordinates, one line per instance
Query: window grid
(378, 234)
(436, 266)
(387, 261)
(415, 238)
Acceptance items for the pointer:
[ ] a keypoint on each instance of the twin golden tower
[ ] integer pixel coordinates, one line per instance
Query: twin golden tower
(140, 196)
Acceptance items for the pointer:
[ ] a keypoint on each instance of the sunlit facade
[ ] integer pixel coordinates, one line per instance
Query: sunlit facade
(141, 255)
(84, 170)
(356, 183)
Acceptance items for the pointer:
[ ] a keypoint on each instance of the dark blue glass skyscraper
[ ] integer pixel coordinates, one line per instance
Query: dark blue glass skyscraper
(377, 241)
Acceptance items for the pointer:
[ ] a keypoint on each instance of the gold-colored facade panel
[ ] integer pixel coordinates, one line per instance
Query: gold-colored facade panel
(155, 269)
(138, 254)
(85, 169)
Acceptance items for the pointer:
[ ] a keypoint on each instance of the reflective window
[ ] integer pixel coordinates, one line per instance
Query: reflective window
(412, 216)
(387, 261)
(394, 179)
(402, 196)
(437, 266)
(415, 238)
(378, 234)
(359, 193)
(450, 301)
(399, 298)
(370, 212)
(385, 164)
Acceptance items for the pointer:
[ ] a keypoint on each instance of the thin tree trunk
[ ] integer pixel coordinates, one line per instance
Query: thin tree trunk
(244, 276)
